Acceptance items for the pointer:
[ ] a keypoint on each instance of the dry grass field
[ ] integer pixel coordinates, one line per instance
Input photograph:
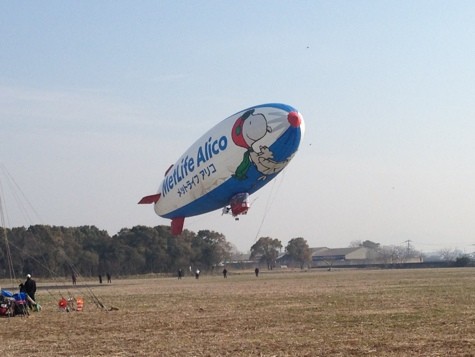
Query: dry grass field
(317, 313)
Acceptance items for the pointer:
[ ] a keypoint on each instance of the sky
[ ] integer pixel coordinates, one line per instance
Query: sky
(98, 98)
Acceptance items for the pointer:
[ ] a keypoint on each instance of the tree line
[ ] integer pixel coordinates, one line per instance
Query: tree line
(52, 251)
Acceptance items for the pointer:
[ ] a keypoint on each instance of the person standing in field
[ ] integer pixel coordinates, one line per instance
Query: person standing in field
(109, 281)
(256, 271)
(225, 273)
(30, 289)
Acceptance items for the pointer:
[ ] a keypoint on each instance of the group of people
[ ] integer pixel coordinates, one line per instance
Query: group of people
(29, 286)
(181, 274)
(109, 281)
(109, 278)
(197, 273)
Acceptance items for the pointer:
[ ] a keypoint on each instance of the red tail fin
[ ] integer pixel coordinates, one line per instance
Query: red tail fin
(177, 225)
(150, 199)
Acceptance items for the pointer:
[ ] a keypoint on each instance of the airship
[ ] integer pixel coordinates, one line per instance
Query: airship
(230, 162)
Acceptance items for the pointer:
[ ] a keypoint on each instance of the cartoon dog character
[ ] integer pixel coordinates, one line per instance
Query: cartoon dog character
(248, 129)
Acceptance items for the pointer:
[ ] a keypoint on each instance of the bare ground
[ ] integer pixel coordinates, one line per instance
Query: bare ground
(317, 313)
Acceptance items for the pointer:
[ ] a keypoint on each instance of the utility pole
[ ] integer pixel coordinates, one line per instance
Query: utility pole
(408, 247)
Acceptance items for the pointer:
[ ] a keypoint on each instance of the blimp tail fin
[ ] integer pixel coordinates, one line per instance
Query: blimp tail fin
(177, 225)
(149, 199)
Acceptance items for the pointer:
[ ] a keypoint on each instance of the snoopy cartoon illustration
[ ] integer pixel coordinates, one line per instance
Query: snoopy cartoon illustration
(247, 130)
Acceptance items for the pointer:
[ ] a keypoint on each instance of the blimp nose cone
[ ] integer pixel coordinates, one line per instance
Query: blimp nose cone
(294, 119)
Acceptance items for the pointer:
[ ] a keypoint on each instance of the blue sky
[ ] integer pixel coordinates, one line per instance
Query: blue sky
(98, 98)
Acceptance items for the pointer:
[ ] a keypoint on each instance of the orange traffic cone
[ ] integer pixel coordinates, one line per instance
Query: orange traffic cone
(79, 304)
